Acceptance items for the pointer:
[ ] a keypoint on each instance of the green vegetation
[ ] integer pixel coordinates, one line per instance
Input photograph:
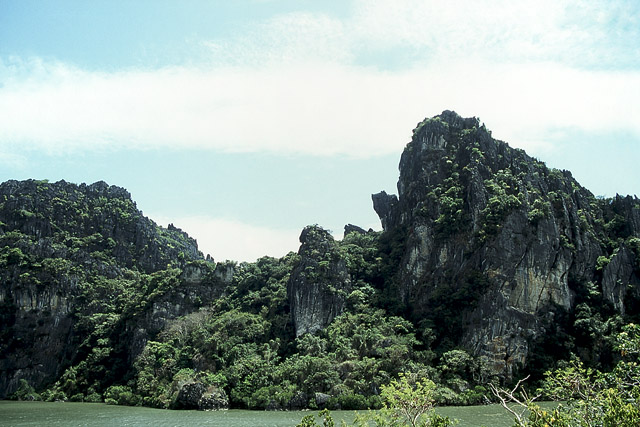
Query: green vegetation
(589, 397)
(138, 317)
(407, 401)
(240, 341)
(245, 342)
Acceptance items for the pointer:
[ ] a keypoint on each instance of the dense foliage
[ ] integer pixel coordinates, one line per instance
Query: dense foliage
(120, 310)
(407, 401)
(589, 397)
(243, 343)
(240, 341)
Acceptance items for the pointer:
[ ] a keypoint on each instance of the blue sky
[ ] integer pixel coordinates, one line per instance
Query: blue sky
(242, 122)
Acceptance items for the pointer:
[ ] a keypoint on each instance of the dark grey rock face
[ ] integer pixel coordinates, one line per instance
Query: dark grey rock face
(350, 228)
(322, 400)
(515, 235)
(189, 395)
(214, 399)
(60, 236)
(384, 205)
(299, 401)
(319, 283)
(620, 276)
(195, 395)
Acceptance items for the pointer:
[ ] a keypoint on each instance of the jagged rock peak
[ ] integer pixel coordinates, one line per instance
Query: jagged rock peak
(48, 210)
(479, 214)
(384, 205)
(319, 283)
(350, 228)
(447, 120)
(313, 234)
(60, 243)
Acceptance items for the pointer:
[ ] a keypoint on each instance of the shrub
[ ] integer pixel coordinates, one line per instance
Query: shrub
(25, 392)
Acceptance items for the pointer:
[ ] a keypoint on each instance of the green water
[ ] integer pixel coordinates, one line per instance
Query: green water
(97, 414)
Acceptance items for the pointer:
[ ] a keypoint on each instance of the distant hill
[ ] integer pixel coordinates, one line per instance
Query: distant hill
(490, 266)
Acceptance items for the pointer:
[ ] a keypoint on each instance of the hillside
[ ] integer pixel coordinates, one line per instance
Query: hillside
(77, 259)
(490, 266)
(498, 249)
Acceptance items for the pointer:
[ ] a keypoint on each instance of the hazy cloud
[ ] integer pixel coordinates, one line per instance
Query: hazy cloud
(307, 83)
(233, 240)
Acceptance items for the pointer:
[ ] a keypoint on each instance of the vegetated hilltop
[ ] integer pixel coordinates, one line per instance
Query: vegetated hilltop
(501, 254)
(85, 276)
(490, 265)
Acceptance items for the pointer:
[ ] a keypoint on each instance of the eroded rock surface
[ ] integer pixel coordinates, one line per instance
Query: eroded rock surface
(319, 283)
(501, 235)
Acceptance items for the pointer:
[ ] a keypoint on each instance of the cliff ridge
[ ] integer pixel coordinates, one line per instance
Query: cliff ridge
(496, 236)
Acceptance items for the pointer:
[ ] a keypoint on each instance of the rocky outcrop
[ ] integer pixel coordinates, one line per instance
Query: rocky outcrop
(60, 240)
(199, 285)
(483, 248)
(619, 276)
(214, 399)
(189, 395)
(196, 395)
(322, 400)
(350, 228)
(298, 402)
(319, 283)
(498, 228)
(49, 212)
(384, 205)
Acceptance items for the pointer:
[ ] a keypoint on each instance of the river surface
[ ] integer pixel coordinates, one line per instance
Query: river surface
(99, 415)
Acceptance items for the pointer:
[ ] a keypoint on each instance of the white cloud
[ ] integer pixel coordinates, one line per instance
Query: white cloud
(583, 32)
(226, 239)
(296, 84)
(311, 108)
(316, 84)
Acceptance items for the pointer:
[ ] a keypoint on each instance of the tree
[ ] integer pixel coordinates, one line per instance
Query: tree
(408, 401)
(409, 398)
(25, 392)
(325, 414)
(590, 397)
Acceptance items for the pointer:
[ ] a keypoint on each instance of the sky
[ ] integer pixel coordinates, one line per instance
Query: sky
(242, 122)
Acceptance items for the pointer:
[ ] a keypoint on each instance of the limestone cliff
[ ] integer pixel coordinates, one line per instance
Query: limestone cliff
(73, 255)
(484, 248)
(500, 239)
(319, 283)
